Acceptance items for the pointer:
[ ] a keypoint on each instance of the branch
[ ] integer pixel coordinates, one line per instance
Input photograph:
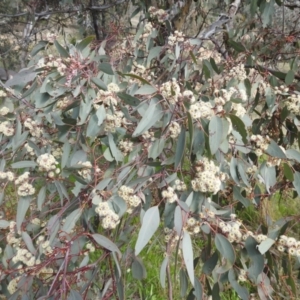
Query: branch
(51, 12)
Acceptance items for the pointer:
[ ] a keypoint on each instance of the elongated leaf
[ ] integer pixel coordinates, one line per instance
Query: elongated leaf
(183, 277)
(150, 224)
(99, 83)
(85, 42)
(162, 273)
(106, 68)
(138, 269)
(237, 46)
(146, 90)
(128, 99)
(198, 289)
(74, 295)
(289, 78)
(293, 154)
(296, 182)
(156, 148)
(215, 134)
(210, 264)
(238, 196)
(239, 126)
(41, 197)
(150, 117)
(264, 287)
(61, 50)
(24, 164)
(188, 256)
(180, 147)
(178, 220)
(265, 245)
(28, 241)
(106, 243)
(117, 154)
(4, 224)
(22, 208)
(225, 248)
(71, 220)
(241, 291)
(275, 151)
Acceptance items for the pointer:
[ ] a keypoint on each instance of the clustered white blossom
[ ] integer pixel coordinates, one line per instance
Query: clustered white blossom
(2, 93)
(201, 109)
(148, 135)
(207, 54)
(261, 143)
(289, 244)
(174, 129)
(129, 197)
(7, 128)
(85, 172)
(10, 176)
(189, 95)
(208, 177)
(171, 91)
(238, 72)
(57, 62)
(13, 285)
(90, 247)
(24, 256)
(177, 37)
(283, 90)
(109, 218)
(11, 236)
(293, 104)
(34, 128)
(107, 97)
(113, 121)
(4, 110)
(179, 185)
(25, 188)
(47, 163)
(125, 146)
(62, 103)
(57, 151)
(192, 225)
(160, 14)
(170, 195)
(148, 29)
(29, 150)
(171, 237)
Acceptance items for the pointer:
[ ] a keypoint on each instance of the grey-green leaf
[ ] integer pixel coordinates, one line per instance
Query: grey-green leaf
(150, 224)
(225, 248)
(188, 256)
(24, 164)
(215, 134)
(106, 243)
(275, 151)
(22, 208)
(162, 273)
(180, 147)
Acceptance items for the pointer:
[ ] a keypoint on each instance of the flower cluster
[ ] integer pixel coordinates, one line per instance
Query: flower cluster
(208, 177)
(125, 146)
(56, 62)
(25, 188)
(282, 90)
(148, 135)
(34, 128)
(171, 91)
(10, 176)
(177, 37)
(108, 97)
(189, 95)
(261, 143)
(90, 247)
(289, 244)
(24, 256)
(11, 236)
(57, 151)
(7, 128)
(201, 109)
(170, 195)
(179, 185)
(160, 14)
(293, 104)
(47, 163)
(109, 218)
(113, 121)
(29, 150)
(45, 246)
(2, 93)
(174, 129)
(129, 197)
(4, 110)
(207, 54)
(238, 72)
(192, 225)
(13, 285)
(85, 172)
(171, 237)
(62, 103)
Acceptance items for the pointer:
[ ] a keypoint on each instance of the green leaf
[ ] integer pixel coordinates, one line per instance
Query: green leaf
(38, 47)
(144, 81)
(210, 264)
(288, 172)
(265, 245)
(296, 182)
(99, 83)
(106, 243)
(41, 197)
(156, 148)
(117, 154)
(215, 134)
(275, 151)
(267, 12)
(138, 269)
(239, 126)
(28, 241)
(293, 154)
(188, 256)
(66, 153)
(225, 248)
(24, 164)
(85, 42)
(289, 78)
(128, 99)
(61, 50)
(23, 205)
(71, 220)
(146, 90)
(238, 196)
(74, 295)
(236, 46)
(150, 117)
(241, 291)
(153, 53)
(150, 224)
(198, 290)
(106, 68)
(180, 147)
(162, 273)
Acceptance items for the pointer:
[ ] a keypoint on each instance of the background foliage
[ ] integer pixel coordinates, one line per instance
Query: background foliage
(153, 162)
